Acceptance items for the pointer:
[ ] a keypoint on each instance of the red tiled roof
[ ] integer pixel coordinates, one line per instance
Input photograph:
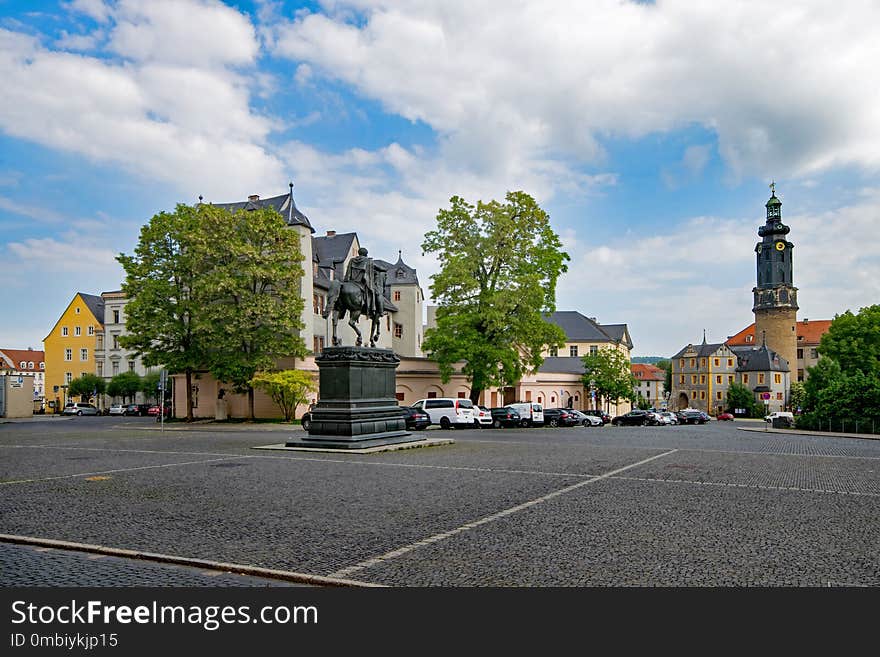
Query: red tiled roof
(809, 333)
(19, 355)
(644, 372)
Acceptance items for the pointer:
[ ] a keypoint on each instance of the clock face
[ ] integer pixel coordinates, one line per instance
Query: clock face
(780, 246)
(759, 248)
(779, 226)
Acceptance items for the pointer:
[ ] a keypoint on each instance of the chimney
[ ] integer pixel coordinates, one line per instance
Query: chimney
(331, 233)
(806, 320)
(254, 198)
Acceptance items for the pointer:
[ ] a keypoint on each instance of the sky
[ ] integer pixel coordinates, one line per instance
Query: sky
(649, 131)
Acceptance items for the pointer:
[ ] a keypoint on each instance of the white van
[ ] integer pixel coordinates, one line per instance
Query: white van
(530, 413)
(775, 414)
(448, 412)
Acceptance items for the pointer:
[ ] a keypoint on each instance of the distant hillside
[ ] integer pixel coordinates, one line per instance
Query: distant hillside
(649, 360)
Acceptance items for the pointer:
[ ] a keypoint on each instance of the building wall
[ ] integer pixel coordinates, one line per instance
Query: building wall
(18, 398)
(409, 317)
(704, 380)
(76, 314)
(26, 362)
(780, 325)
(110, 360)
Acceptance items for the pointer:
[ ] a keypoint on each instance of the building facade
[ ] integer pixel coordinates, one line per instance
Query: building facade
(809, 335)
(26, 362)
(111, 358)
(649, 383)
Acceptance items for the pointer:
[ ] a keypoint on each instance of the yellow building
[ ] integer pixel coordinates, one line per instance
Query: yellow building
(70, 347)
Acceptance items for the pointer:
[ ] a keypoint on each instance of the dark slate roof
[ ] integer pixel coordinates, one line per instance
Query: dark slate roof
(579, 328)
(761, 359)
(702, 350)
(330, 249)
(618, 332)
(400, 273)
(284, 205)
(95, 305)
(562, 364)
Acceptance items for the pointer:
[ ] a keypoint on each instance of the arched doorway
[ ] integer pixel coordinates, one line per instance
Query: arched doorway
(683, 401)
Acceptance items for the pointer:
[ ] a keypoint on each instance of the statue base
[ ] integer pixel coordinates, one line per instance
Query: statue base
(358, 408)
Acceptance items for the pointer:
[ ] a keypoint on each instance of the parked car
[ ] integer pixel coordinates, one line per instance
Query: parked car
(136, 409)
(657, 419)
(79, 408)
(448, 412)
(724, 416)
(669, 415)
(531, 413)
(415, 418)
(633, 418)
(587, 420)
(482, 417)
(602, 415)
(116, 409)
(155, 410)
(690, 416)
(505, 416)
(786, 414)
(306, 421)
(559, 417)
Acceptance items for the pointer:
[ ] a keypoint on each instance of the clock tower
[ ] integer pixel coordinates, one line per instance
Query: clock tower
(775, 296)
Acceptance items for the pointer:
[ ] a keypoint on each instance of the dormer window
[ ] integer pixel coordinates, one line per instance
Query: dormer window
(400, 273)
(750, 338)
(30, 365)
(22, 365)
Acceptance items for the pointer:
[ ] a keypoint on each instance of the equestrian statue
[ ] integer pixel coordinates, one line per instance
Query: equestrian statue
(361, 292)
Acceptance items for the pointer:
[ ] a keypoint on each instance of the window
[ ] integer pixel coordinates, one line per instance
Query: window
(702, 379)
(318, 344)
(91, 330)
(760, 379)
(131, 366)
(398, 396)
(115, 367)
(681, 379)
(316, 305)
(693, 394)
(99, 368)
(22, 365)
(398, 330)
(800, 353)
(77, 331)
(702, 362)
(693, 379)
(718, 395)
(814, 353)
(681, 363)
(554, 352)
(730, 379)
(432, 395)
(750, 338)
(573, 351)
(745, 379)
(64, 331)
(778, 395)
(42, 366)
(730, 362)
(68, 354)
(115, 316)
(83, 355)
(777, 378)
(717, 362)
(800, 375)
(693, 362)
(718, 380)
(461, 395)
(594, 350)
(396, 295)
(68, 377)
(115, 341)
(702, 394)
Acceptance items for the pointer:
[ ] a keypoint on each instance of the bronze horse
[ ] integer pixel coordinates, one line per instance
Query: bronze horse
(346, 296)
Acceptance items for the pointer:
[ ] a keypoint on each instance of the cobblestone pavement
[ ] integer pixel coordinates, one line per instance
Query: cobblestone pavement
(691, 505)
(26, 565)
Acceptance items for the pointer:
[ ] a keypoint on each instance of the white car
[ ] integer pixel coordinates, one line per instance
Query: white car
(482, 416)
(531, 413)
(448, 412)
(669, 415)
(116, 409)
(587, 420)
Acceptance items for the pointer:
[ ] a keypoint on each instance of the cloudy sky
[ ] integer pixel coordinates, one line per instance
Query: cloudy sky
(648, 130)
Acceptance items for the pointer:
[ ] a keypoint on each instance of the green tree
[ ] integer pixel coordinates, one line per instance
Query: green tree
(740, 396)
(797, 395)
(150, 385)
(642, 403)
(162, 280)
(499, 264)
(822, 376)
(854, 341)
(125, 385)
(250, 293)
(666, 365)
(288, 389)
(608, 372)
(86, 386)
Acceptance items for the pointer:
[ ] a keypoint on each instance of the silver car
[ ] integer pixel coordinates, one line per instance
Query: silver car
(79, 408)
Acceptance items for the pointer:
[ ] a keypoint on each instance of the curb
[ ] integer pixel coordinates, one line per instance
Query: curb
(240, 569)
(825, 434)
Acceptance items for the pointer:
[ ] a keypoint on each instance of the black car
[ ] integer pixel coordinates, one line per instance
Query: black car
(605, 417)
(415, 418)
(560, 417)
(136, 409)
(636, 418)
(692, 417)
(504, 416)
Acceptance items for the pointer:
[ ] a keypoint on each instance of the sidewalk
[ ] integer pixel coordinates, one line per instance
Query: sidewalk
(35, 418)
(804, 432)
(211, 425)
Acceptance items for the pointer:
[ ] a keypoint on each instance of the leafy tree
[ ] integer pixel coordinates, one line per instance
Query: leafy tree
(162, 279)
(740, 396)
(499, 264)
(288, 389)
(666, 365)
(86, 386)
(150, 385)
(250, 293)
(797, 395)
(608, 372)
(642, 403)
(823, 375)
(125, 385)
(854, 341)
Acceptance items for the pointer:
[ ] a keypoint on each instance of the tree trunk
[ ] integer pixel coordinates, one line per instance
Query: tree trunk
(251, 403)
(189, 398)
(475, 396)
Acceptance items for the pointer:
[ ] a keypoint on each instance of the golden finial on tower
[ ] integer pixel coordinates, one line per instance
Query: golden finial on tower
(773, 187)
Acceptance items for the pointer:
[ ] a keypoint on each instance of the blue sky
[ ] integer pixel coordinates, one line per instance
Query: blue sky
(648, 131)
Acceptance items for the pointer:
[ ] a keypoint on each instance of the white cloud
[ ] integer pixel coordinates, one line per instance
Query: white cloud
(522, 80)
(79, 42)
(96, 9)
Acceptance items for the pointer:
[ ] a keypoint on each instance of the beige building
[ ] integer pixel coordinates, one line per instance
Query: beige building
(649, 383)
(16, 395)
(30, 362)
(809, 335)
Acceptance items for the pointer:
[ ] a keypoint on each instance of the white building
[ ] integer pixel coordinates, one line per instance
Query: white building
(26, 362)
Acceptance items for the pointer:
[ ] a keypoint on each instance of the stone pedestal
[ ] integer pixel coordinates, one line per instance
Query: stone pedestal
(221, 411)
(357, 407)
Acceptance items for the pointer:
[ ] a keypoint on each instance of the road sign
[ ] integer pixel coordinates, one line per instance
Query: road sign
(765, 396)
